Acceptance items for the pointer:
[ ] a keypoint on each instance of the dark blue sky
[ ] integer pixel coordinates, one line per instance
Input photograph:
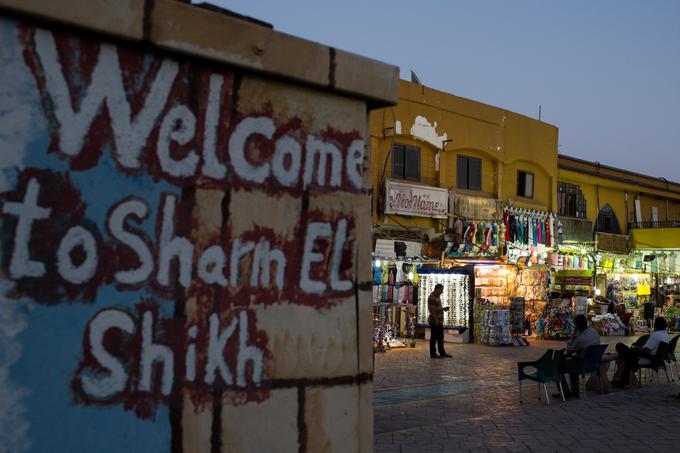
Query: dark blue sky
(606, 72)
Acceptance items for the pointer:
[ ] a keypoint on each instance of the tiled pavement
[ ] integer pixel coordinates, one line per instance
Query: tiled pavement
(471, 403)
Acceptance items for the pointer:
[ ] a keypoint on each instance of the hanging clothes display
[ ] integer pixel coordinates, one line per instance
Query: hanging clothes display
(477, 238)
(531, 228)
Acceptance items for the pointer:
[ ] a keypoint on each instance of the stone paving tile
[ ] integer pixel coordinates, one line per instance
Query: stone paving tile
(471, 403)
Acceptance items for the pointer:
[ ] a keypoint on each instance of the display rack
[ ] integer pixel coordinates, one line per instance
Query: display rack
(394, 292)
(532, 285)
(623, 288)
(492, 284)
(496, 326)
(559, 322)
(456, 296)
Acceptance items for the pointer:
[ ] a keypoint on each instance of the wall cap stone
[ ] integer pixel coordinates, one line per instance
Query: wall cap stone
(206, 33)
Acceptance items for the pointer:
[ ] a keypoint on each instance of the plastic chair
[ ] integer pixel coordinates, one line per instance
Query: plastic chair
(640, 342)
(670, 357)
(589, 364)
(546, 370)
(657, 362)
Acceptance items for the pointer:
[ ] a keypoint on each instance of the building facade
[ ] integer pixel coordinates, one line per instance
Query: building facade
(441, 141)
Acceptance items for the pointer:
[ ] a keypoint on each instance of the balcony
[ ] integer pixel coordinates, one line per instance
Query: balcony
(655, 235)
(664, 224)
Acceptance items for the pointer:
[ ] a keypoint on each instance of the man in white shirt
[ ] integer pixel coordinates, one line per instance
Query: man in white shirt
(631, 357)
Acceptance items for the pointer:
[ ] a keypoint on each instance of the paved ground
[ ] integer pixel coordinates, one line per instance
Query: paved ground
(471, 403)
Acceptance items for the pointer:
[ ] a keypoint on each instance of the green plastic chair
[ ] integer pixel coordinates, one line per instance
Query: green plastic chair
(640, 342)
(546, 369)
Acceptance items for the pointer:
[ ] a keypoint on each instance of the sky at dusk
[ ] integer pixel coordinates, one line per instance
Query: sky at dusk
(606, 72)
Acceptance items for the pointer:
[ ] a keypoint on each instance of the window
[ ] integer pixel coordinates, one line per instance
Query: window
(525, 184)
(607, 222)
(406, 162)
(469, 173)
(570, 201)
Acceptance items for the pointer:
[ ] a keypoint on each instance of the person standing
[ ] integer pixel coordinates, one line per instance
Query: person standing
(648, 309)
(436, 320)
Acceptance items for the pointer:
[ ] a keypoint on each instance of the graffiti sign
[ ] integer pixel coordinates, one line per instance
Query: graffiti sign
(118, 176)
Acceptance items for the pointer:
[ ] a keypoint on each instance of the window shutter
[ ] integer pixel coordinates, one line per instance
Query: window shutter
(398, 161)
(412, 171)
(462, 177)
(529, 185)
(475, 173)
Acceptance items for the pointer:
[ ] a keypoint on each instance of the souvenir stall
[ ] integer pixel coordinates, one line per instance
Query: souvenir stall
(559, 320)
(532, 287)
(631, 290)
(395, 289)
(670, 289)
(494, 284)
(456, 296)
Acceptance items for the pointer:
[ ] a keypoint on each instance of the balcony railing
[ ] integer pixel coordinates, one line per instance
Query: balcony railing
(663, 224)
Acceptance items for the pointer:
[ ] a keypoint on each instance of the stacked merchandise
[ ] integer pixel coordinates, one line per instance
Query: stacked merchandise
(496, 326)
(608, 324)
(574, 281)
(456, 296)
(559, 323)
(580, 305)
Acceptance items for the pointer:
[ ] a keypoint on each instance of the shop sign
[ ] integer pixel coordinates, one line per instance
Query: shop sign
(615, 243)
(415, 200)
(476, 207)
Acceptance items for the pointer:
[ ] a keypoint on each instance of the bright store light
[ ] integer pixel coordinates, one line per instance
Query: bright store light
(378, 263)
(598, 292)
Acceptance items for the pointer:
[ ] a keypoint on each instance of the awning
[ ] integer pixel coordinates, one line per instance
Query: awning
(656, 238)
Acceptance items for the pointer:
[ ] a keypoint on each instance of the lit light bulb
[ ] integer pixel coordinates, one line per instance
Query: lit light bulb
(378, 263)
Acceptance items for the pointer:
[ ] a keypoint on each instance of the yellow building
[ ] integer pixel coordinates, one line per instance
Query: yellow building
(618, 198)
(442, 145)
(439, 140)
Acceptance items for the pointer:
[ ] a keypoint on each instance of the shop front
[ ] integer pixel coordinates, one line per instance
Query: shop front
(510, 265)
(399, 260)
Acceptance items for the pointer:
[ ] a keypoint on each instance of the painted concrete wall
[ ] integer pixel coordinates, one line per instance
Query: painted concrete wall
(182, 250)
(505, 141)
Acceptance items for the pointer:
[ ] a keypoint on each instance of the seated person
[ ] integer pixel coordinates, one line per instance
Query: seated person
(583, 337)
(631, 357)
